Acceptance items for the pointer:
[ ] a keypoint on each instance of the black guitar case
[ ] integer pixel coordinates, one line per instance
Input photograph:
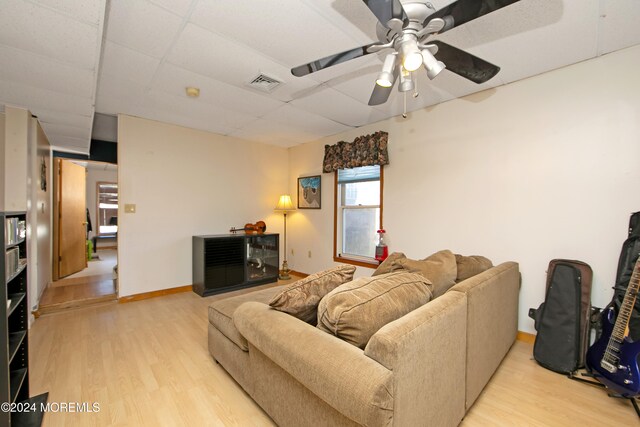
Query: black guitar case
(563, 319)
(628, 256)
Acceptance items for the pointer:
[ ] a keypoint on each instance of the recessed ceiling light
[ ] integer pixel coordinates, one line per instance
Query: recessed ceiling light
(193, 92)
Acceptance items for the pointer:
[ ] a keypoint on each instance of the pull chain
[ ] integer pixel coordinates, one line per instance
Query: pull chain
(404, 111)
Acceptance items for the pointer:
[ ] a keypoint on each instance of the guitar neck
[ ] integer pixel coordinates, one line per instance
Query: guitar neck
(622, 321)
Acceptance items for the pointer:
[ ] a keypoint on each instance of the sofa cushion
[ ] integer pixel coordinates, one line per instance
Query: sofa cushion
(356, 310)
(387, 265)
(301, 298)
(221, 313)
(469, 266)
(440, 268)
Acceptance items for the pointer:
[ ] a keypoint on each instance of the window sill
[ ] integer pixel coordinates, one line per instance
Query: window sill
(360, 263)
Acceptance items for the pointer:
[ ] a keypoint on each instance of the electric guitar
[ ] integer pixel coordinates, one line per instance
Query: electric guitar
(613, 359)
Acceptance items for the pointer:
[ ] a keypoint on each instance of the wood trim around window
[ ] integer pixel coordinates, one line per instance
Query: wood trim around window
(344, 260)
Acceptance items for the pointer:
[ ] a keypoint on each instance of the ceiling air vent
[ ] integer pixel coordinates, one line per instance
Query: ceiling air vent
(264, 83)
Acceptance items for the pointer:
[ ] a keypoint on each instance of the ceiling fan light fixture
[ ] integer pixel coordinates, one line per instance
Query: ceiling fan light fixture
(406, 82)
(431, 64)
(385, 78)
(411, 56)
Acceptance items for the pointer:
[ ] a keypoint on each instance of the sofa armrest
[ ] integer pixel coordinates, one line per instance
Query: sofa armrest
(492, 322)
(335, 371)
(425, 349)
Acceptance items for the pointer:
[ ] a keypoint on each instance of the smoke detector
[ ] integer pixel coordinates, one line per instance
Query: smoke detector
(264, 83)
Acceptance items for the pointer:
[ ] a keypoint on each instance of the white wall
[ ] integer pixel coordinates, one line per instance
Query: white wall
(186, 182)
(95, 175)
(543, 168)
(15, 158)
(2, 121)
(25, 146)
(39, 212)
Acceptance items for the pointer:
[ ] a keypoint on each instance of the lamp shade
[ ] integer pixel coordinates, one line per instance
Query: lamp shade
(284, 204)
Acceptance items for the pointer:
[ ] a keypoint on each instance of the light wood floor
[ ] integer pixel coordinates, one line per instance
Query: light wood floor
(69, 293)
(147, 363)
(93, 285)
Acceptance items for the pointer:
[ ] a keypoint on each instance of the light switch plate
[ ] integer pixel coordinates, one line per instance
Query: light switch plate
(130, 208)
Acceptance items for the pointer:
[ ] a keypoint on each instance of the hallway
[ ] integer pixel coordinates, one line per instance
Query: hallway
(95, 284)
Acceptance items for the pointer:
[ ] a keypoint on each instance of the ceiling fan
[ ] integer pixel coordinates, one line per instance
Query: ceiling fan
(405, 26)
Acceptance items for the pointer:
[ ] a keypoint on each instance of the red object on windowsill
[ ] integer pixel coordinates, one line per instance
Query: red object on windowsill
(382, 250)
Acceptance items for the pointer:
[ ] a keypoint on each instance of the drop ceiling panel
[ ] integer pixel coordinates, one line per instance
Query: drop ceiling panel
(274, 28)
(531, 41)
(274, 133)
(175, 117)
(429, 93)
(303, 121)
(352, 17)
(187, 107)
(70, 131)
(41, 30)
(154, 48)
(68, 142)
(30, 69)
(179, 7)
(142, 26)
(357, 86)
(340, 108)
(116, 95)
(127, 64)
(32, 97)
(193, 51)
(89, 11)
(173, 80)
(49, 116)
(619, 25)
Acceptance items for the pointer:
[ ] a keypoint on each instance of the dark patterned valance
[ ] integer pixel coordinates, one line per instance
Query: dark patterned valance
(367, 150)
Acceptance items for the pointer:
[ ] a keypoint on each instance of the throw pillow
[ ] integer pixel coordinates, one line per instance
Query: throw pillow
(301, 298)
(440, 268)
(356, 310)
(387, 266)
(469, 266)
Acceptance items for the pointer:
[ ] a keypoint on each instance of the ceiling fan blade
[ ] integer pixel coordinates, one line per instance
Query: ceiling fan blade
(386, 10)
(312, 67)
(463, 11)
(380, 94)
(464, 64)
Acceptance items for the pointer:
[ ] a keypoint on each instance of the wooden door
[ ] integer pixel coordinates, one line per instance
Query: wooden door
(71, 218)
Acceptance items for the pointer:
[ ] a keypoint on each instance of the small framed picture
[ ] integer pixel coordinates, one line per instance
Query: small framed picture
(309, 192)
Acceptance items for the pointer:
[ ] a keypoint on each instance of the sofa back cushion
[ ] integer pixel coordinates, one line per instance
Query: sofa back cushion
(469, 266)
(440, 269)
(356, 310)
(388, 265)
(301, 298)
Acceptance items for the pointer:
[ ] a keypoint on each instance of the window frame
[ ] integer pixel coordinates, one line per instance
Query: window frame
(98, 184)
(344, 259)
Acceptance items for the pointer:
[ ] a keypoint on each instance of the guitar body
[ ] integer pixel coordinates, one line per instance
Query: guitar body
(626, 379)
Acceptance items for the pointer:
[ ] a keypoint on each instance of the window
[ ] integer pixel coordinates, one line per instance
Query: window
(358, 214)
(107, 207)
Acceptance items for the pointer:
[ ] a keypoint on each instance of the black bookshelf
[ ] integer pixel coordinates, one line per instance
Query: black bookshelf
(14, 323)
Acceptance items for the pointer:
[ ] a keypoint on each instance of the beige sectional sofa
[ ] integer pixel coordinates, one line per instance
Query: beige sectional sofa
(425, 369)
